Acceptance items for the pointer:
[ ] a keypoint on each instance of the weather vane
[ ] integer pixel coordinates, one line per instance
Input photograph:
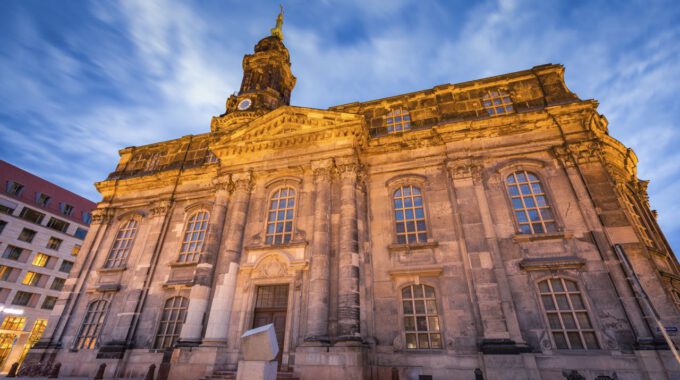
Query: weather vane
(276, 31)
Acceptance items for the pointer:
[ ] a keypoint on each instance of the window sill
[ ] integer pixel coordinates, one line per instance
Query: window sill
(263, 247)
(412, 247)
(111, 270)
(427, 351)
(552, 263)
(177, 264)
(523, 238)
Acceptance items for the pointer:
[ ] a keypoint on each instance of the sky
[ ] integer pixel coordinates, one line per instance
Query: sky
(80, 80)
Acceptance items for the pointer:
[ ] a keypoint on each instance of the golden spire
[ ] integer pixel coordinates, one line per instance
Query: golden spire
(276, 31)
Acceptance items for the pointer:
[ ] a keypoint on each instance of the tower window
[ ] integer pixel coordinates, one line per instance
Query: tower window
(122, 245)
(530, 204)
(568, 318)
(92, 325)
(398, 120)
(194, 235)
(497, 103)
(172, 319)
(421, 322)
(409, 215)
(281, 215)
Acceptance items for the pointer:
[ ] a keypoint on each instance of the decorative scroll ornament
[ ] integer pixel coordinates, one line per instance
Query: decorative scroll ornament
(159, 208)
(271, 267)
(243, 181)
(466, 169)
(223, 183)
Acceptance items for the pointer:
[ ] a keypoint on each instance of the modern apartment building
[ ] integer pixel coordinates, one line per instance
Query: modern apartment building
(42, 227)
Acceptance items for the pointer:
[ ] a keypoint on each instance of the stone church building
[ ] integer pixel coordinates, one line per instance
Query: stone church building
(492, 226)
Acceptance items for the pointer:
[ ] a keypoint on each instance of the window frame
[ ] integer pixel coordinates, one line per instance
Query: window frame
(402, 316)
(196, 255)
(120, 262)
(104, 311)
(160, 323)
(420, 181)
(267, 210)
(392, 113)
(492, 109)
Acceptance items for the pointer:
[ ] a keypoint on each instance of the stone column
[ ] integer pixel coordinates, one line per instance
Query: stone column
(225, 284)
(200, 291)
(348, 289)
(319, 284)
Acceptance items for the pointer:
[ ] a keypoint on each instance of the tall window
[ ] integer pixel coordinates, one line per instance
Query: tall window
(194, 234)
(172, 319)
(92, 325)
(281, 215)
(636, 217)
(409, 215)
(421, 322)
(122, 245)
(497, 103)
(398, 120)
(532, 211)
(568, 318)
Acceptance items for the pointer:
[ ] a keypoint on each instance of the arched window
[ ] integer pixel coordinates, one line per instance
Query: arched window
(530, 204)
(568, 318)
(122, 245)
(92, 325)
(194, 235)
(497, 103)
(421, 322)
(398, 120)
(172, 319)
(409, 215)
(281, 215)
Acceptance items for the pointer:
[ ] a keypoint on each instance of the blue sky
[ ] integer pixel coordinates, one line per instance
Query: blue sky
(81, 79)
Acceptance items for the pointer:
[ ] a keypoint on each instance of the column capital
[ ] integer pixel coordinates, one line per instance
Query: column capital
(223, 183)
(160, 208)
(349, 170)
(466, 168)
(102, 215)
(243, 181)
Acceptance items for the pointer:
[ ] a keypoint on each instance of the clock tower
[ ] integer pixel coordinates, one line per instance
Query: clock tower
(267, 80)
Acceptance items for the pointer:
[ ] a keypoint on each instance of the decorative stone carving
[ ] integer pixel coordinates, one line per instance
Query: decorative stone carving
(159, 208)
(243, 181)
(397, 343)
(223, 183)
(271, 267)
(466, 169)
(102, 215)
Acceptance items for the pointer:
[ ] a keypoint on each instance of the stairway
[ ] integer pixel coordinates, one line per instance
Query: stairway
(231, 375)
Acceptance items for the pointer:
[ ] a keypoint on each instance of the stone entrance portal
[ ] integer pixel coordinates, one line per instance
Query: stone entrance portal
(271, 306)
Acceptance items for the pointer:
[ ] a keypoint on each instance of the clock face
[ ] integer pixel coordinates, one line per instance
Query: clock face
(244, 104)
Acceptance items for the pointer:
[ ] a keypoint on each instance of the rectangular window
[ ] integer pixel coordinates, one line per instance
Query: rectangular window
(66, 209)
(26, 235)
(57, 224)
(13, 323)
(5, 272)
(12, 252)
(31, 215)
(58, 284)
(41, 260)
(66, 266)
(2, 225)
(22, 298)
(80, 233)
(6, 209)
(75, 250)
(54, 243)
(14, 188)
(31, 278)
(42, 199)
(87, 217)
(49, 302)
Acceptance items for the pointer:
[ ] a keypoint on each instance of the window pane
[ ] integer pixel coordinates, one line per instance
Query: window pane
(409, 324)
(560, 341)
(575, 340)
(408, 307)
(411, 341)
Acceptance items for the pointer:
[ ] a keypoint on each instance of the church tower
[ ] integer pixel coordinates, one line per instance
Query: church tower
(267, 79)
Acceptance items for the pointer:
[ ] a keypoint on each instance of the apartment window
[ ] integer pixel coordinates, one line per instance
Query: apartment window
(530, 203)
(497, 103)
(421, 320)
(281, 215)
(57, 284)
(57, 224)
(194, 234)
(14, 188)
(27, 235)
(92, 325)
(36, 334)
(122, 245)
(66, 266)
(41, 260)
(567, 316)
(31, 215)
(172, 319)
(2, 225)
(5, 209)
(31, 278)
(66, 209)
(12, 252)
(22, 298)
(398, 120)
(5, 272)
(409, 215)
(13, 323)
(49, 302)
(87, 217)
(54, 243)
(75, 250)
(42, 199)
(80, 233)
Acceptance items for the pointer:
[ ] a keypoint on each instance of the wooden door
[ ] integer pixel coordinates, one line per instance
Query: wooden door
(271, 306)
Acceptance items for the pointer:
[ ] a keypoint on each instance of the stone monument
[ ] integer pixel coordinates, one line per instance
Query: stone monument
(259, 348)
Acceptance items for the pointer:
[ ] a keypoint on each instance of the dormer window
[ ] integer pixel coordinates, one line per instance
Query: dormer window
(14, 188)
(42, 199)
(66, 209)
(398, 120)
(497, 103)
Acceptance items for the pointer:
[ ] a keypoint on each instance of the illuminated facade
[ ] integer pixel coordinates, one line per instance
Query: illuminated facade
(42, 227)
(491, 225)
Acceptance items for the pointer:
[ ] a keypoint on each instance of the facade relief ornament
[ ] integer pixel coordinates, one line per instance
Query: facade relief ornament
(466, 169)
(586, 151)
(102, 215)
(323, 170)
(159, 208)
(243, 181)
(223, 184)
(271, 267)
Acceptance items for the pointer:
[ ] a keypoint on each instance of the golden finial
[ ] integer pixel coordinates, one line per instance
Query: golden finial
(276, 31)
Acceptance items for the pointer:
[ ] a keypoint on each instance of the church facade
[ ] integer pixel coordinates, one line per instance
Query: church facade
(491, 228)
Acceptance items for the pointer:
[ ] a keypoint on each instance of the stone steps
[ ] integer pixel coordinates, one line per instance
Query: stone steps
(231, 375)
